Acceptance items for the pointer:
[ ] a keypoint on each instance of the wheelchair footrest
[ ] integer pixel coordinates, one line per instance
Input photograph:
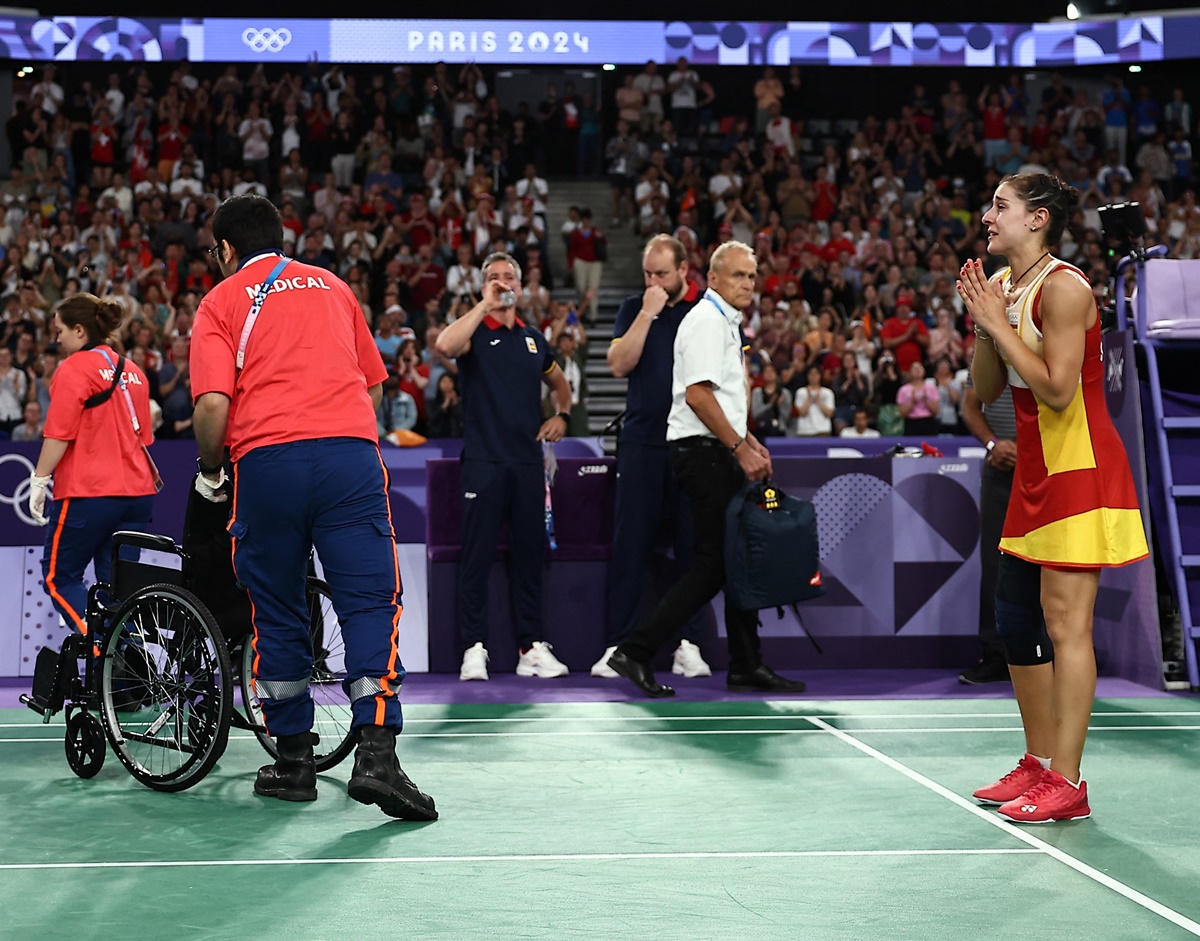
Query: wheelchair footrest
(55, 674)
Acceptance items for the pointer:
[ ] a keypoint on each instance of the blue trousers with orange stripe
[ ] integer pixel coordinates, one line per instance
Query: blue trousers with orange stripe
(80, 531)
(331, 494)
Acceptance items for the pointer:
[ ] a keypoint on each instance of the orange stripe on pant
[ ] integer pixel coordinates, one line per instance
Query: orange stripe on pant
(253, 611)
(77, 620)
(394, 641)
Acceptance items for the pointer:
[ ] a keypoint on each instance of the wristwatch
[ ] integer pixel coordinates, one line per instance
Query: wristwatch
(565, 416)
(990, 446)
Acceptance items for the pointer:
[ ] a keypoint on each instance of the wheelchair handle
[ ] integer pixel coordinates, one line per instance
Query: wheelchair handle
(146, 541)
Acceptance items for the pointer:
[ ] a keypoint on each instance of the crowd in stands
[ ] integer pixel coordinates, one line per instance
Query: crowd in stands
(401, 180)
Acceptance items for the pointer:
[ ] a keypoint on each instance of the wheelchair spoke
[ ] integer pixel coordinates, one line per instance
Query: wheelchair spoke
(165, 682)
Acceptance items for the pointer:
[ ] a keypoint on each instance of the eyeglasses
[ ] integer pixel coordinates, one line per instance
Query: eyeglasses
(215, 252)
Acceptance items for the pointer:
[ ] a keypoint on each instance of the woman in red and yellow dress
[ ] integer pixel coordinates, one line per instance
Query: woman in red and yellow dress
(1074, 508)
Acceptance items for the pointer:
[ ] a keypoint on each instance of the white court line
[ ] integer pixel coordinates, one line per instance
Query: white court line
(776, 717)
(1021, 834)
(553, 857)
(634, 733)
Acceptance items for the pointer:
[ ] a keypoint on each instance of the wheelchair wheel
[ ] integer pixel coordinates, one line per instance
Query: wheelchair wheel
(331, 705)
(166, 693)
(85, 745)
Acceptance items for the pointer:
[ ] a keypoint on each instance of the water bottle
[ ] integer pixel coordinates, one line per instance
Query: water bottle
(508, 298)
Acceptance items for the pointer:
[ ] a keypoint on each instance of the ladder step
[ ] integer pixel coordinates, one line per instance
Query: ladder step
(1186, 490)
(1190, 561)
(1179, 422)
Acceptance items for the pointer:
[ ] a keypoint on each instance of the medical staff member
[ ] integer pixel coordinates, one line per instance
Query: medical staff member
(94, 446)
(712, 455)
(647, 493)
(502, 364)
(286, 371)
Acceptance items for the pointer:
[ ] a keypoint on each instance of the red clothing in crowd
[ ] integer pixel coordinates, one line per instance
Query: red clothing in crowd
(104, 144)
(910, 351)
(995, 123)
(832, 250)
(421, 229)
(775, 283)
(583, 245)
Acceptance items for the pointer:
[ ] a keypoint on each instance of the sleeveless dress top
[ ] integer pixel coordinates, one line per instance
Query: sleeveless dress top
(1073, 501)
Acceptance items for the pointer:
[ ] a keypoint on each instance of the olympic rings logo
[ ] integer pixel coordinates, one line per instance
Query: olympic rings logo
(19, 500)
(266, 40)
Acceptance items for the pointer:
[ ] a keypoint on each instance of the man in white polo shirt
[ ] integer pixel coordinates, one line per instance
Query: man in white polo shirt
(712, 455)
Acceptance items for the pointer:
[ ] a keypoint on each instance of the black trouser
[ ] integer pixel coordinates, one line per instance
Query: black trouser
(994, 492)
(647, 495)
(710, 477)
(495, 494)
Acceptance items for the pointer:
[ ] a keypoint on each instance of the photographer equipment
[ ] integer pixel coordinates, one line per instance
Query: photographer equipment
(1124, 227)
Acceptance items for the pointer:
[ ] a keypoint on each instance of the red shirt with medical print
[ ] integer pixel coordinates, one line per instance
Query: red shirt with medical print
(105, 456)
(309, 360)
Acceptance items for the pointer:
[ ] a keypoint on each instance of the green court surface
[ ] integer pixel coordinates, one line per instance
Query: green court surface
(691, 821)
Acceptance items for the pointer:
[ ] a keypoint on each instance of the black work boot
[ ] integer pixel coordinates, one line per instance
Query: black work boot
(378, 779)
(293, 777)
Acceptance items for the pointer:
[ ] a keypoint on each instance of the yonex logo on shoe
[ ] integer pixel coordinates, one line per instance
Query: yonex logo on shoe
(470, 495)
(1028, 808)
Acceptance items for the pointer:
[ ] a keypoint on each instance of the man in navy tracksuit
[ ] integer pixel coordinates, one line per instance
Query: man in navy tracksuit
(647, 493)
(502, 364)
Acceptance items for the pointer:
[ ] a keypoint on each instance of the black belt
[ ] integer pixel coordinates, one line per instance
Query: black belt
(696, 441)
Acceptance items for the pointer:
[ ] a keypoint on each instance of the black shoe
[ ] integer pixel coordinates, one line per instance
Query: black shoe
(378, 779)
(763, 680)
(639, 674)
(985, 671)
(293, 777)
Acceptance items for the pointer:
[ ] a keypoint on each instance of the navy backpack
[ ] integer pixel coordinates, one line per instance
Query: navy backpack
(771, 553)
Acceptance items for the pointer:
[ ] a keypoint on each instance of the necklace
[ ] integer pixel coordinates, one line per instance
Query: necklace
(1012, 285)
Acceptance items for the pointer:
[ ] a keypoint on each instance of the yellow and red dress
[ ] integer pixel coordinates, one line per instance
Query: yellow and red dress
(1073, 500)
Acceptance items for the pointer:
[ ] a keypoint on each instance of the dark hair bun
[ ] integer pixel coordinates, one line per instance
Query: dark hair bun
(109, 315)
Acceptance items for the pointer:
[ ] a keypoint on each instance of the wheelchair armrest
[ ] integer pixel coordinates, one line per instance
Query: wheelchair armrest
(145, 541)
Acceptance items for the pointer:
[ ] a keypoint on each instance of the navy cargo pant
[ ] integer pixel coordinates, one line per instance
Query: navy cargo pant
(81, 531)
(496, 493)
(327, 493)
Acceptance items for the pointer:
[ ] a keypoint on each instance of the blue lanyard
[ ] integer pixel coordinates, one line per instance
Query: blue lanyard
(259, 299)
(137, 425)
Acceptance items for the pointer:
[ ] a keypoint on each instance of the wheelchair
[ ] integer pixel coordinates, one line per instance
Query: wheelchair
(156, 669)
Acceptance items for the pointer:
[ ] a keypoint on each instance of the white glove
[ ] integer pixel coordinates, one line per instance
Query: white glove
(210, 490)
(37, 498)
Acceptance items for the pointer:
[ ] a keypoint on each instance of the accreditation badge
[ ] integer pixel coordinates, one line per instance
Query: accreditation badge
(531, 344)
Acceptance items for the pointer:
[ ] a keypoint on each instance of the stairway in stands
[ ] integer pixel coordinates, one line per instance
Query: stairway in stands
(622, 277)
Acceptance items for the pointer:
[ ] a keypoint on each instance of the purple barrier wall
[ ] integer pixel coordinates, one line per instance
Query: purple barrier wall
(900, 555)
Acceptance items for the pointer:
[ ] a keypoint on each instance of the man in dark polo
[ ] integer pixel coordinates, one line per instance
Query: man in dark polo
(502, 364)
(647, 493)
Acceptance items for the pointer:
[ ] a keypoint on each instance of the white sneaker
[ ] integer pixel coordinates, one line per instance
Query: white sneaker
(688, 661)
(539, 660)
(601, 668)
(474, 665)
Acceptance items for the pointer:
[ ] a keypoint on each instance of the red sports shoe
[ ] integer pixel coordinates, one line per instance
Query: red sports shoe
(1053, 798)
(1025, 775)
